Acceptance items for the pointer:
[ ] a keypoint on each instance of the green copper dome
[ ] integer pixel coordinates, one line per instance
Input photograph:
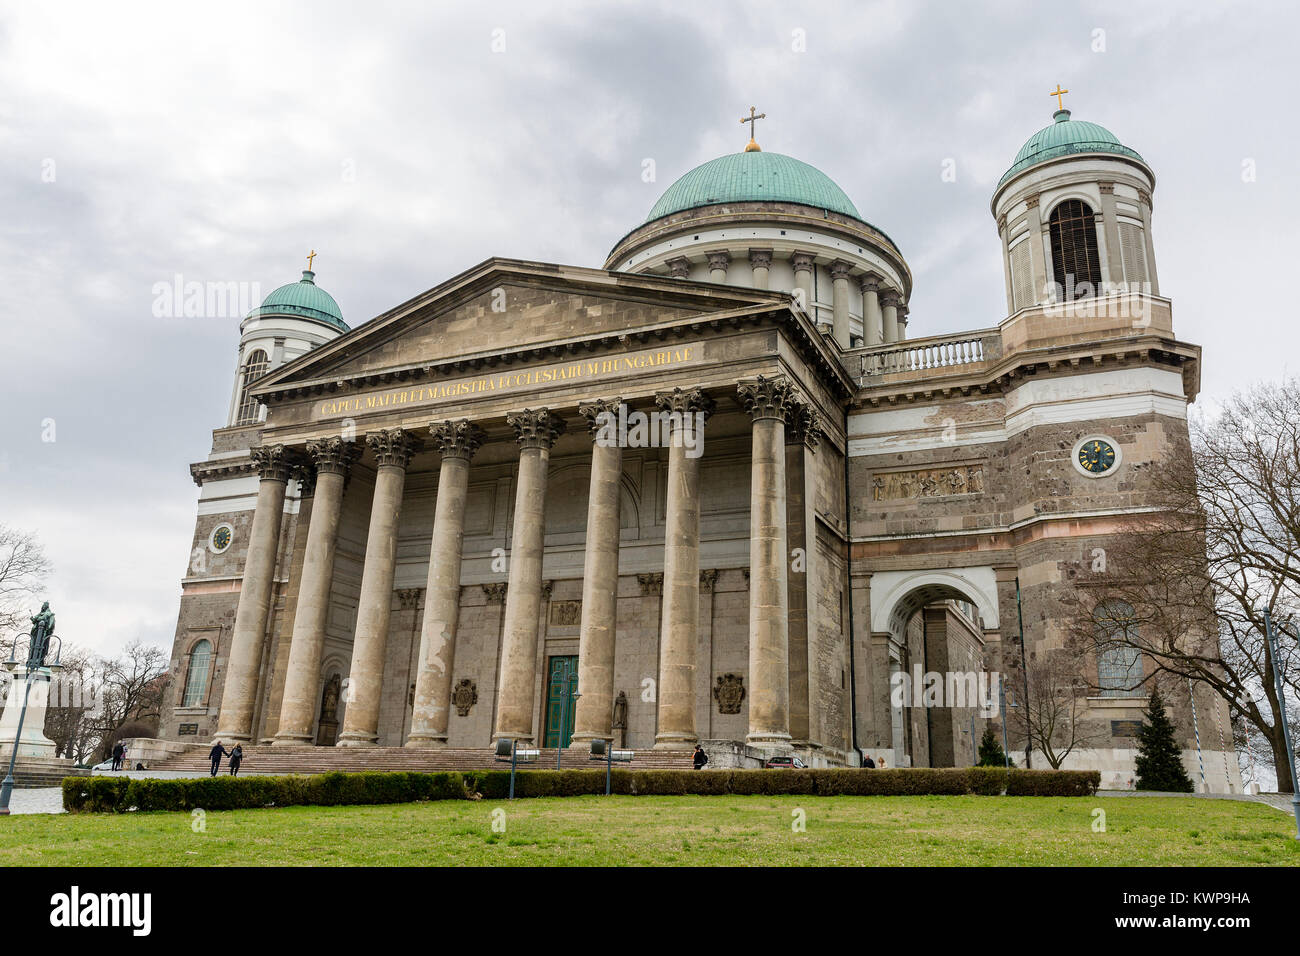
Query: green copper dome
(306, 299)
(753, 177)
(1066, 137)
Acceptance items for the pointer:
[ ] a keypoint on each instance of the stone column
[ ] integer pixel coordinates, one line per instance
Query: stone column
(769, 400)
(679, 268)
(536, 431)
(680, 619)
(332, 458)
(760, 260)
(1144, 203)
(889, 300)
(1110, 230)
(840, 301)
(594, 712)
(718, 263)
(457, 441)
(803, 430)
(870, 286)
(1037, 257)
(802, 262)
(393, 449)
(235, 722)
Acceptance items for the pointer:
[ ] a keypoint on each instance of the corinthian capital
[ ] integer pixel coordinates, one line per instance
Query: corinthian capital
(393, 446)
(719, 260)
(536, 428)
(767, 397)
(803, 424)
(890, 299)
(457, 439)
(801, 261)
(274, 462)
(760, 258)
(599, 413)
(840, 269)
(686, 401)
(332, 456)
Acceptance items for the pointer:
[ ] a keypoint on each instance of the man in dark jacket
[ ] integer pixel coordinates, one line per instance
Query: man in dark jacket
(118, 753)
(701, 758)
(868, 762)
(215, 755)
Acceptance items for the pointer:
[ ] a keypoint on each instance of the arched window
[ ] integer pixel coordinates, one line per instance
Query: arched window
(1075, 264)
(196, 677)
(254, 368)
(1119, 662)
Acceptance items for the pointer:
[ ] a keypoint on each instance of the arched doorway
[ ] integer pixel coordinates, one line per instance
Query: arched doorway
(937, 644)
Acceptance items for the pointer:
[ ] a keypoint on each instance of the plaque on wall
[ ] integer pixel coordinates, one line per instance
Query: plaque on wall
(187, 730)
(928, 483)
(566, 613)
(1125, 728)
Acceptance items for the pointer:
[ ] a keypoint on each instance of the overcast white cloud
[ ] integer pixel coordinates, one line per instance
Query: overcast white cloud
(221, 143)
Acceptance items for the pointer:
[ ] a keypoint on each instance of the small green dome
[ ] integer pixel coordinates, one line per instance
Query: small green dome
(1066, 137)
(306, 299)
(753, 176)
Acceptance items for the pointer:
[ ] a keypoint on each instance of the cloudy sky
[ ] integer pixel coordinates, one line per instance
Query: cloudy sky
(404, 143)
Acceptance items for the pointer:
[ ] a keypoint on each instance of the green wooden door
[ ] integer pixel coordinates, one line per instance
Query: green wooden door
(562, 677)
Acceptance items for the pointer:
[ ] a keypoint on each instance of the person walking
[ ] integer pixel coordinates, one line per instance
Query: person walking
(700, 758)
(119, 752)
(236, 758)
(215, 755)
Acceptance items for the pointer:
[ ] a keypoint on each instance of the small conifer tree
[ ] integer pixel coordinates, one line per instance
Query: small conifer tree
(1159, 758)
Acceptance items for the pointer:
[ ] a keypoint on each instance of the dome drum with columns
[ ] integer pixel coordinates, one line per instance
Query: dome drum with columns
(769, 221)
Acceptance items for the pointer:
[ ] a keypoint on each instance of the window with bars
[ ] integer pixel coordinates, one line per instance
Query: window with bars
(1075, 264)
(1119, 663)
(254, 368)
(196, 677)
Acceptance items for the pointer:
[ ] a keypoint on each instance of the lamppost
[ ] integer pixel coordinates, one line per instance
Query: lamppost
(1002, 707)
(1281, 706)
(38, 646)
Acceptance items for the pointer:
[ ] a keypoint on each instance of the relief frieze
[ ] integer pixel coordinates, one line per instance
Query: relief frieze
(928, 483)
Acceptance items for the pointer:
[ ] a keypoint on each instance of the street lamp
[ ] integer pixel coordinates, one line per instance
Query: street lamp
(508, 749)
(600, 747)
(1002, 706)
(1281, 706)
(38, 646)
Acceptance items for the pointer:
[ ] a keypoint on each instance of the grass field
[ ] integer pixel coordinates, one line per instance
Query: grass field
(676, 831)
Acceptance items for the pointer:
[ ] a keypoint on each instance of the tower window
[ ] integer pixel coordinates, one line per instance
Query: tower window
(1119, 663)
(196, 677)
(1074, 250)
(254, 368)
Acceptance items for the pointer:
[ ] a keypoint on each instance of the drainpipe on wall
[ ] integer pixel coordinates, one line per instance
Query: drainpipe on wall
(848, 593)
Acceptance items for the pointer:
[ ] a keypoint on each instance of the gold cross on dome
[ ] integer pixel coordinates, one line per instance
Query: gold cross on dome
(1058, 93)
(310, 258)
(752, 119)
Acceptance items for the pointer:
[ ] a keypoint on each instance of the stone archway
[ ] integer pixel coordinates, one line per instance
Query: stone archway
(327, 729)
(939, 658)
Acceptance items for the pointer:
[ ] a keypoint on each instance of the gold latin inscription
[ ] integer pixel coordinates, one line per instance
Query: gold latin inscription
(505, 381)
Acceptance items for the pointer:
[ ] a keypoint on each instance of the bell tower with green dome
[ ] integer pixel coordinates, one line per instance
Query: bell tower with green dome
(768, 221)
(1074, 216)
(292, 320)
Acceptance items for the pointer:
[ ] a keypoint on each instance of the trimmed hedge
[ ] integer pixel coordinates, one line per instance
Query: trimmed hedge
(120, 794)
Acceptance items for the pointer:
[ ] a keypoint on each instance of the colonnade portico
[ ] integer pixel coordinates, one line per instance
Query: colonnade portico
(770, 400)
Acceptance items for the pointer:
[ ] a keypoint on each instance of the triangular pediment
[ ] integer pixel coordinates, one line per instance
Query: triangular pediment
(512, 308)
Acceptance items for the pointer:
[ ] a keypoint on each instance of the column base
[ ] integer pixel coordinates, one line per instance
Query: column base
(675, 741)
(355, 739)
(224, 737)
(772, 741)
(430, 742)
(583, 741)
(292, 740)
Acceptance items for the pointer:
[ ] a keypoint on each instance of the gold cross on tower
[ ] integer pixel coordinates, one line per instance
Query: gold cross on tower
(752, 119)
(1058, 93)
(310, 258)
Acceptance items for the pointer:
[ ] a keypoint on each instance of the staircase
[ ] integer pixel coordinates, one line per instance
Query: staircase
(285, 760)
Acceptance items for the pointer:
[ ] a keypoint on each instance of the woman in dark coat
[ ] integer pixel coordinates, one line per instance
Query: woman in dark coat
(236, 757)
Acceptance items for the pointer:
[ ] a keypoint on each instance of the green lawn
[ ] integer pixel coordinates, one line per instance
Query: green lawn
(676, 831)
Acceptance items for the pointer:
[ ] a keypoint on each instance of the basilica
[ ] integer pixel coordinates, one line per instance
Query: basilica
(446, 526)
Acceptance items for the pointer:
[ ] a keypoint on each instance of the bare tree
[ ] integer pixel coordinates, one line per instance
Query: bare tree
(1055, 718)
(1222, 545)
(132, 692)
(70, 719)
(23, 566)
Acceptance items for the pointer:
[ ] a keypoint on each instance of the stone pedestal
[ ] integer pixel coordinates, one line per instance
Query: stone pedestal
(33, 742)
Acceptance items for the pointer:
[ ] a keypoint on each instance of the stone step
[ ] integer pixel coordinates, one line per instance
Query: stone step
(271, 760)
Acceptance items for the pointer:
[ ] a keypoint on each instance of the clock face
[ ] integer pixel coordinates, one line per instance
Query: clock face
(1096, 456)
(221, 538)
